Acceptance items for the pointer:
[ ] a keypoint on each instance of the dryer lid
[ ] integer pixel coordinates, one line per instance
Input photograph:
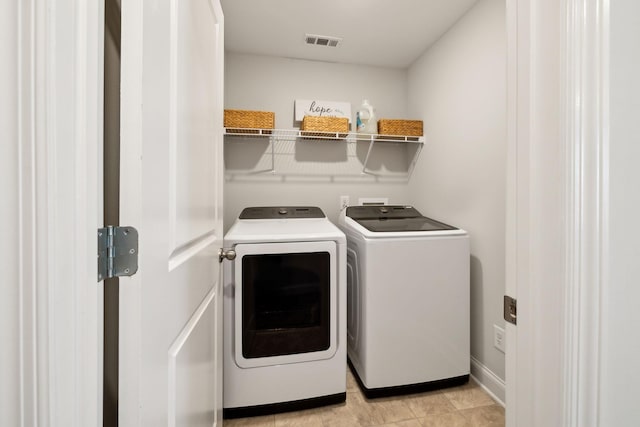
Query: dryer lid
(391, 218)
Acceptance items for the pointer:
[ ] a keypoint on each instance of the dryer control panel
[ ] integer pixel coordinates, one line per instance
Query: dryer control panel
(288, 212)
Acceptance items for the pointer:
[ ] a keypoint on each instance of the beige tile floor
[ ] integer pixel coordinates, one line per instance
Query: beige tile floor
(465, 406)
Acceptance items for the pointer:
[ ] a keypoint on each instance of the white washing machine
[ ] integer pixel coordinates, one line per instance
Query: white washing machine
(284, 312)
(408, 280)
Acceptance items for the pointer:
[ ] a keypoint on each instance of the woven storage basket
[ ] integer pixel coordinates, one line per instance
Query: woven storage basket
(245, 121)
(325, 126)
(391, 128)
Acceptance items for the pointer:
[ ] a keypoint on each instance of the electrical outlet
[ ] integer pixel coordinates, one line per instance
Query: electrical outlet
(344, 202)
(498, 338)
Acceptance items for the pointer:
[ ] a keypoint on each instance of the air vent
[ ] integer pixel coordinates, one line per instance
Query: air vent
(322, 40)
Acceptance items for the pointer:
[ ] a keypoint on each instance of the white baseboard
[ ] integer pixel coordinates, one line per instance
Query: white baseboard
(489, 381)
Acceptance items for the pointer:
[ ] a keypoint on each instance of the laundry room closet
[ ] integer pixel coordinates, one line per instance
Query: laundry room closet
(457, 87)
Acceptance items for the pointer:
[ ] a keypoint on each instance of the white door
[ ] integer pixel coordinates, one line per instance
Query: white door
(171, 191)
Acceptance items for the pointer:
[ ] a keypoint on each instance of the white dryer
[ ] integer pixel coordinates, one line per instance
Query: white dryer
(284, 312)
(408, 280)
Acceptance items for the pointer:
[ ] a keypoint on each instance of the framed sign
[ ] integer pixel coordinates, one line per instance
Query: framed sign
(314, 107)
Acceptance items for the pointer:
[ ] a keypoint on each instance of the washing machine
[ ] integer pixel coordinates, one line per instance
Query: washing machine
(284, 312)
(408, 280)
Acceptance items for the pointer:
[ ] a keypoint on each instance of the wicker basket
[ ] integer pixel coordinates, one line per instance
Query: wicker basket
(397, 129)
(325, 127)
(245, 121)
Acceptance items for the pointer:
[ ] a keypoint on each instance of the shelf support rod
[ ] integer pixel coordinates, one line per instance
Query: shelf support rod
(414, 160)
(273, 155)
(366, 159)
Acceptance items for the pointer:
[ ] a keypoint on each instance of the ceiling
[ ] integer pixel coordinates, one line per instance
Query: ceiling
(374, 32)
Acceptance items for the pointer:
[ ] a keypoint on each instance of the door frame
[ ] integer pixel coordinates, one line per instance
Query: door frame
(557, 195)
(61, 196)
(60, 69)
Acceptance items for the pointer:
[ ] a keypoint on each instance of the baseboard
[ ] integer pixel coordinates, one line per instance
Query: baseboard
(489, 381)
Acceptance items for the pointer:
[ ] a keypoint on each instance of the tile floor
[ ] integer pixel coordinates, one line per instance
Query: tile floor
(465, 406)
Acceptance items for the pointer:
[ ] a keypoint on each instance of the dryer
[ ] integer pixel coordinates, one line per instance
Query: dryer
(284, 312)
(408, 281)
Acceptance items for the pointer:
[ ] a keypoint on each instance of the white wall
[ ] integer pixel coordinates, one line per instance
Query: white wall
(620, 346)
(308, 173)
(458, 87)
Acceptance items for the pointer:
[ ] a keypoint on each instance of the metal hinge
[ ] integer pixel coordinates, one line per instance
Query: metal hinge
(510, 310)
(117, 252)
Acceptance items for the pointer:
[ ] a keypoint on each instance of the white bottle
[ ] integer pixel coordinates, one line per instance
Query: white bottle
(366, 119)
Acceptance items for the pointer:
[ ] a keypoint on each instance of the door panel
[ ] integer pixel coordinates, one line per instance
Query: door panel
(192, 99)
(192, 369)
(171, 181)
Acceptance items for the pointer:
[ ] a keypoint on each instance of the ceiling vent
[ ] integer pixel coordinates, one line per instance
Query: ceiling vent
(322, 40)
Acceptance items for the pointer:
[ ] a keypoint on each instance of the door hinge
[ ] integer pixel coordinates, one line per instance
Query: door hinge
(510, 310)
(117, 252)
